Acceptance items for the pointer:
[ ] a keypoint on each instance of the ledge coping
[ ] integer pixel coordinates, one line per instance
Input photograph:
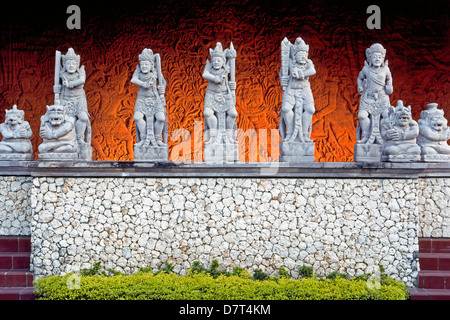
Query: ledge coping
(225, 170)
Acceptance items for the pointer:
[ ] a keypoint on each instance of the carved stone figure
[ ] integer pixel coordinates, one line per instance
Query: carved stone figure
(58, 135)
(297, 107)
(16, 132)
(399, 132)
(433, 135)
(150, 112)
(69, 92)
(220, 106)
(375, 86)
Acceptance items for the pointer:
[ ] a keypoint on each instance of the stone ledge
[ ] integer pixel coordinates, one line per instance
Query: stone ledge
(233, 170)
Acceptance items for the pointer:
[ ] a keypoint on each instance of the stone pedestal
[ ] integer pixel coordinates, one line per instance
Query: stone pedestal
(17, 156)
(84, 152)
(297, 151)
(151, 153)
(400, 158)
(221, 152)
(435, 157)
(366, 152)
(62, 156)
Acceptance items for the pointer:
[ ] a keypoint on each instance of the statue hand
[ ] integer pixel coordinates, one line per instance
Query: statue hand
(232, 85)
(284, 81)
(161, 90)
(393, 134)
(57, 88)
(22, 133)
(360, 89)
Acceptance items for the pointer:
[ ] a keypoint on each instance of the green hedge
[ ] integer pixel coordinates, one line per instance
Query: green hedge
(202, 285)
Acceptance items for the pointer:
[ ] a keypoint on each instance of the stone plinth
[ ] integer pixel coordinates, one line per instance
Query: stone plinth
(367, 152)
(151, 153)
(297, 151)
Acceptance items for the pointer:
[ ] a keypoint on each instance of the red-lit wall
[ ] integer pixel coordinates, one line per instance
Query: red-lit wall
(416, 37)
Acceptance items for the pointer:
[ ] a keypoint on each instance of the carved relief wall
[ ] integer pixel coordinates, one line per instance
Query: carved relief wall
(112, 35)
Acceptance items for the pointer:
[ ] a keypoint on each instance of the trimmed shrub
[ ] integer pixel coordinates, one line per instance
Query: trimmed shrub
(207, 284)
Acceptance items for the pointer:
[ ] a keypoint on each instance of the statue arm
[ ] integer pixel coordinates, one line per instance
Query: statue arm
(413, 131)
(80, 80)
(360, 80)
(135, 79)
(7, 134)
(310, 71)
(429, 133)
(63, 130)
(208, 76)
(389, 88)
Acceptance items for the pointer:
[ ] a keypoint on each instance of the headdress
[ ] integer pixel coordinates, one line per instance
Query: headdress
(15, 111)
(401, 109)
(146, 55)
(299, 45)
(217, 52)
(70, 55)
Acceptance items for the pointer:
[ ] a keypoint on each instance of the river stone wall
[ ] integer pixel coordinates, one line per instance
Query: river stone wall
(343, 225)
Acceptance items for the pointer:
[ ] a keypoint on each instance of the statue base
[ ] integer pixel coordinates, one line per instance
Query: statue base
(69, 156)
(435, 157)
(151, 153)
(84, 152)
(297, 151)
(400, 158)
(221, 152)
(16, 156)
(365, 152)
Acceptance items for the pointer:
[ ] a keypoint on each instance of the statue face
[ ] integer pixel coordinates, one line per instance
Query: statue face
(377, 59)
(71, 66)
(437, 123)
(56, 117)
(301, 56)
(13, 119)
(217, 63)
(146, 66)
(403, 119)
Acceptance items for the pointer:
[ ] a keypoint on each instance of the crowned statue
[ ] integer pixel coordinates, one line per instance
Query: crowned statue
(150, 113)
(69, 93)
(375, 86)
(220, 106)
(16, 132)
(297, 106)
(433, 135)
(399, 132)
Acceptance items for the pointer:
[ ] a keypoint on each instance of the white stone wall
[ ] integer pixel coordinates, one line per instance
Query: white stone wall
(15, 211)
(343, 225)
(434, 208)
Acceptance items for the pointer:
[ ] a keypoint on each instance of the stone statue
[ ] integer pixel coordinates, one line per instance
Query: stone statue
(150, 112)
(220, 106)
(69, 92)
(297, 106)
(16, 132)
(399, 132)
(375, 86)
(433, 135)
(58, 135)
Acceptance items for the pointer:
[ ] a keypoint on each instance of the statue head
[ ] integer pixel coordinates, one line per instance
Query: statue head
(402, 114)
(56, 115)
(71, 61)
(375, 55)
(433, 117)
(300, 50)
(217, 56)
(14, 116)
(147, 61)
